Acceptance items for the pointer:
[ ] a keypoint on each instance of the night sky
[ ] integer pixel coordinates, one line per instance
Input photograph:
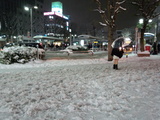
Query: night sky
(83, 15)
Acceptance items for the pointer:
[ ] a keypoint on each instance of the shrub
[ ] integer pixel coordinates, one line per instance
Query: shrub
(17, 54)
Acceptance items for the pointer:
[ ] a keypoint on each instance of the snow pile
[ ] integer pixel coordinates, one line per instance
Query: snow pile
(18, 54)
(72, 48)
(144, 52)
(82, 89)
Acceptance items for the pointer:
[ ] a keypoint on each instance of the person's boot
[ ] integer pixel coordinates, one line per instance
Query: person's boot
(116, 66)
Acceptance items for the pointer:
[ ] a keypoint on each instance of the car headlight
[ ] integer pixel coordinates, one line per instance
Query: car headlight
(120, 48)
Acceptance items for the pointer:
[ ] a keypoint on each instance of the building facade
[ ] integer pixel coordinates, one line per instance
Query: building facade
(56, 24)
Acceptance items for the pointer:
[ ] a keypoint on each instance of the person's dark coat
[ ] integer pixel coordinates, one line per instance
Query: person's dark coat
(117, 52)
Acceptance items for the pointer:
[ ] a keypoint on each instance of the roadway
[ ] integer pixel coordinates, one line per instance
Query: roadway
(63, 55)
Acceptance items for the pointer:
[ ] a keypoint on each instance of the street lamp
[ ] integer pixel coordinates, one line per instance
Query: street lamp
(140, 21)
(31, 16)
(155, 34)
(70, 30)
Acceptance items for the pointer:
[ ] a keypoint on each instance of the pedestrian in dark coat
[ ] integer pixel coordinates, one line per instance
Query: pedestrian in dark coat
(117, 49)
(117, 53)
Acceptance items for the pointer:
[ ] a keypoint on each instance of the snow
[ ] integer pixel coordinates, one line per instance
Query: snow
(103, 24)
(144, 52)
(81, 89)
(70, 49)
(19, 54)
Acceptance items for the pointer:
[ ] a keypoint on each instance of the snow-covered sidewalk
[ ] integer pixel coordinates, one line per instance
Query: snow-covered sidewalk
(84, 89)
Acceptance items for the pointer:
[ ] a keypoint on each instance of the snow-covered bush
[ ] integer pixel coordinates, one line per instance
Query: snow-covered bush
(18, 54)
(77, 48)
(72, 48)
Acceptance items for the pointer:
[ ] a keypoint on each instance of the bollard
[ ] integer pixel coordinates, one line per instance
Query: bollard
(68, 53)
(92, 53)
(37, 53)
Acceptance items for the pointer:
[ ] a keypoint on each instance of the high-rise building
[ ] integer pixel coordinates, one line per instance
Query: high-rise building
(56, 23)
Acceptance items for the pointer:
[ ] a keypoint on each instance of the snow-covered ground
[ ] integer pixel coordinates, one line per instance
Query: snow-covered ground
(81, 89)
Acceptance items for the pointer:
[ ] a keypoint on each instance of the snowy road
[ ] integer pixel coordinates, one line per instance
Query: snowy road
(84, 89)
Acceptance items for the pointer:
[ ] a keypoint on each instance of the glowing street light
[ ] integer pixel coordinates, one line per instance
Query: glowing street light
(26, 8)
(141, 21)
(150, 20)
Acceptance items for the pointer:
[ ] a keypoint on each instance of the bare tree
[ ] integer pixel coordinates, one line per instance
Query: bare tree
(108, 14)
(146, 11)
(10, 24)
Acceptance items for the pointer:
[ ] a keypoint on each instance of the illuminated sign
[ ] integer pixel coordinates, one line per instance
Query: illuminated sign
(55, 13)
(57, 7)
